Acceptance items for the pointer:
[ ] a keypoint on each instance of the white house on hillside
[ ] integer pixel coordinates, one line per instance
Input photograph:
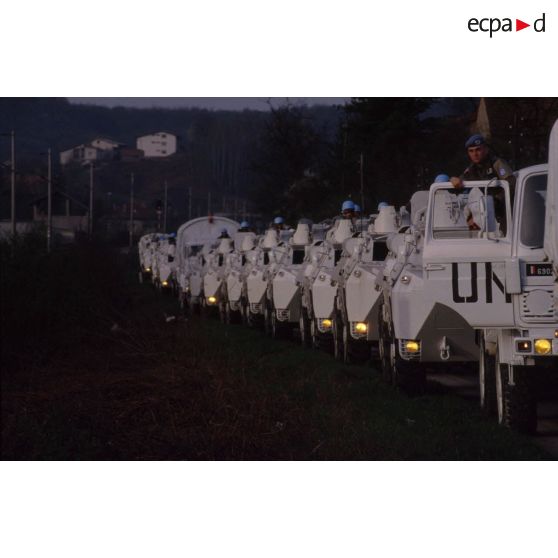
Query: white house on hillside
(82, 154)
(106, 144)
(100, 149)
(157, 144)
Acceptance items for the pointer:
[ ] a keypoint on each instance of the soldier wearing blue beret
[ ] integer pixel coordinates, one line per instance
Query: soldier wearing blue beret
(484, 165)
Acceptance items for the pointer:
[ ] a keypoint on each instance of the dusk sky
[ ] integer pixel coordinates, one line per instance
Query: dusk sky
(216, 103)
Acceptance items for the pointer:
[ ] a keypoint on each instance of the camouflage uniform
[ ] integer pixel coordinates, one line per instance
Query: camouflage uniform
(491, 167)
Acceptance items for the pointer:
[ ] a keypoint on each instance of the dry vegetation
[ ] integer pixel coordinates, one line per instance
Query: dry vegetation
(93, 370)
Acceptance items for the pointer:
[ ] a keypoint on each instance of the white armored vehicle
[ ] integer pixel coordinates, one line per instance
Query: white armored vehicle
(194, 241)
(214, 286)
(164, 262)
(284, 287)
(146, 251)
(236, 266)
(486, 269)
(414, 327)
(319, 286)
(355, 323)
(261, 265)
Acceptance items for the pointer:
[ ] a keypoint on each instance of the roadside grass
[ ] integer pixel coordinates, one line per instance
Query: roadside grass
(123, 382)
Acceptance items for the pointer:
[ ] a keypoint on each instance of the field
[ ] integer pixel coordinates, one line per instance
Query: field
(96, 366)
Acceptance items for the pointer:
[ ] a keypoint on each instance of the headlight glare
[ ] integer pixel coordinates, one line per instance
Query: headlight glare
(543, 346)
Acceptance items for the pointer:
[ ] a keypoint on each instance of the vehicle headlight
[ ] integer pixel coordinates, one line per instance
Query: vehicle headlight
(148, 269)
(326, 324)
(412, 346)
(361, 327)
(543, 346)
(165, 283)
(211, 299)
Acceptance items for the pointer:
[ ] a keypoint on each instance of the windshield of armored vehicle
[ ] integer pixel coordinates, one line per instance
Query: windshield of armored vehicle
(194, 249)
(468, 213)
(533, 211)
(298, 256)
(380, 251)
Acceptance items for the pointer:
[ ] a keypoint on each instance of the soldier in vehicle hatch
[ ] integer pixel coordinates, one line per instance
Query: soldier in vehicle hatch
(486, 166)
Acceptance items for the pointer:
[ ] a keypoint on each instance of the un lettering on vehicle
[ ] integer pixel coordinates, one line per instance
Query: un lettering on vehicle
(475, 282)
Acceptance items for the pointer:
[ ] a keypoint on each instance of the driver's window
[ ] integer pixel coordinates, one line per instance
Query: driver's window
(533, 211)
(469, 213)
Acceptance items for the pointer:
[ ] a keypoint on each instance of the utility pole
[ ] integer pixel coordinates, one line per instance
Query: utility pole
(13, 173)
(362, 183)
(49, 201)
(190, 203)
(165, 209)
(131, 210)
(90, 200)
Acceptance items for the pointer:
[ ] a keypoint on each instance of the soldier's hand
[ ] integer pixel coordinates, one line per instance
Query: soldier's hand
(456, 182)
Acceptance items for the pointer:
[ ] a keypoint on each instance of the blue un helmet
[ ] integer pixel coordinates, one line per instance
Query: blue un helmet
(348, 205)
(442, 178)
(244, 225)
(382, 205)
(357, 208)
(278, 221)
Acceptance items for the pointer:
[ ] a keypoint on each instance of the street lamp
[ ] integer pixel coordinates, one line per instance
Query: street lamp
(13, 173)
(91, 166)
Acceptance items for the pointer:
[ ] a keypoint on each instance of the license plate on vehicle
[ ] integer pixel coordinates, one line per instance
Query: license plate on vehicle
(539, 270)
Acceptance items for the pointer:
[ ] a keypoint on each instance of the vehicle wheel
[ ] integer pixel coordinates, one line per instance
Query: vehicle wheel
(384, 344)
(274, 325)
(267, 318)
(314, 334)
(347, 353)
(487, 379)
(337, 330)
(243, 313)
(517, 403)
(223, 313)
(304, 326)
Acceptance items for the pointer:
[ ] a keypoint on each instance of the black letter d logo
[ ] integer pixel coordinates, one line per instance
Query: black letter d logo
(539, 24)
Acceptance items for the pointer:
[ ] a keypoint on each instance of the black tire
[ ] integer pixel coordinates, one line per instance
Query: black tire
(244, 310)
(267, 318)
(487, 379)
(384, 344)
(223, 313)
(304, 327)
(517, 403)
(337, 331)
